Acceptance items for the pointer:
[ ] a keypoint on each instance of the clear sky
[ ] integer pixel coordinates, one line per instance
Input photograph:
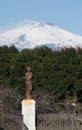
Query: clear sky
(66, 14)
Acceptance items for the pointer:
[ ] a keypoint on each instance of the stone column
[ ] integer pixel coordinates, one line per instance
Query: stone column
(28, 112)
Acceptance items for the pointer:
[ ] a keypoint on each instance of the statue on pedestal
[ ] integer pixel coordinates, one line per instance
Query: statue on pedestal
(28, 104)
(28, 78)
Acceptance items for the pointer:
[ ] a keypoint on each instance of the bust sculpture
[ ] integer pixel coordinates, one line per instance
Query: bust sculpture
(28, 79)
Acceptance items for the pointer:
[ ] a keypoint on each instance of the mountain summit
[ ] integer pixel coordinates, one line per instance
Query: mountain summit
(35, 34)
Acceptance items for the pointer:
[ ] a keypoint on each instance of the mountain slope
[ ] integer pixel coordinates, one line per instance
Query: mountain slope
(34, 34)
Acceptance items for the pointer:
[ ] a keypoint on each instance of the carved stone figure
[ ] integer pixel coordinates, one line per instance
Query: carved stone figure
(28, 78)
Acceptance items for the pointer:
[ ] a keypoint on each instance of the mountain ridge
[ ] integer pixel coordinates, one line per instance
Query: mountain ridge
(34, 34)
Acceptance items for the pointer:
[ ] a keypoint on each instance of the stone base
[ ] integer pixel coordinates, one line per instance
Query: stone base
(28, 112)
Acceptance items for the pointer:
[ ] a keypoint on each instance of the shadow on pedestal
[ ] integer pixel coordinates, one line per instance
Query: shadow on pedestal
(25, 127)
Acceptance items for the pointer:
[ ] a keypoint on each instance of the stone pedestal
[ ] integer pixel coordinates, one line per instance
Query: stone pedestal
(28, 112)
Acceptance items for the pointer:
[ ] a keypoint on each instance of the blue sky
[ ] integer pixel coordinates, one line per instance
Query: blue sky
(66, 14)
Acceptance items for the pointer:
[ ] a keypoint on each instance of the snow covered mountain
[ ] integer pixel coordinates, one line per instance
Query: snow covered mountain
(35, 34)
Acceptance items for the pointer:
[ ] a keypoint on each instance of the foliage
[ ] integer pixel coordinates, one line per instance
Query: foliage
(57, 72)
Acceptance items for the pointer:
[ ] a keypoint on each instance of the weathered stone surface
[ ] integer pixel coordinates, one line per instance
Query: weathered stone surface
(59, 122)
(11, 122)
(49, 121)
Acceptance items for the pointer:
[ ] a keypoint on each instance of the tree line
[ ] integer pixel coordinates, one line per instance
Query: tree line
(58, 72)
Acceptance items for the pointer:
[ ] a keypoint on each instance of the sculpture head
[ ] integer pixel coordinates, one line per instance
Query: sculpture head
(29, 69)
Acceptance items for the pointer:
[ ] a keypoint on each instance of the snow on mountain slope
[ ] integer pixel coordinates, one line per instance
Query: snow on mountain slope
(34, 34)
